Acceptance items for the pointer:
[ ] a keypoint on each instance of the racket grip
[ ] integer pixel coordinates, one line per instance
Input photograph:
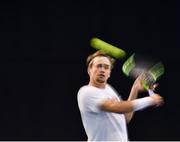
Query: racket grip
(151, 92)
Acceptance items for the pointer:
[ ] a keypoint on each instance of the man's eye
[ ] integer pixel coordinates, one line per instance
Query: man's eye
(99, 66)
(106, 66)
(103, 66)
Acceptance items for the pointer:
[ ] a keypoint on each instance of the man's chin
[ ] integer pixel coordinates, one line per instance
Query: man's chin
(101, 81)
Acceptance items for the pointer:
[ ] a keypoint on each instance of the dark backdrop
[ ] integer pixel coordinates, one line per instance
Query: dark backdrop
(43, 48)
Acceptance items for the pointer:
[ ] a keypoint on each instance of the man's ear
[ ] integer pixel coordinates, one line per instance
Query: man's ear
(88, 70)
(109, 74)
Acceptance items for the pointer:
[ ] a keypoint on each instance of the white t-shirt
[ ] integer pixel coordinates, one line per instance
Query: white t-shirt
(100, 125)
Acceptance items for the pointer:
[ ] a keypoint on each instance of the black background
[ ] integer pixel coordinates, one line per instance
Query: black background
(43, 48)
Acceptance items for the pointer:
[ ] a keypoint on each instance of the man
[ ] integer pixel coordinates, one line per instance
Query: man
(104, 114)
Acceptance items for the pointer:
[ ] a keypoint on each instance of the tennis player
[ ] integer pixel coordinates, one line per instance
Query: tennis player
(104, 114)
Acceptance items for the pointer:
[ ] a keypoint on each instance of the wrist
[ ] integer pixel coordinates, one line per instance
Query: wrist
(142, 103)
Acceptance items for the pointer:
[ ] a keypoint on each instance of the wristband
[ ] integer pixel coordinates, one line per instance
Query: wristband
(142, 103)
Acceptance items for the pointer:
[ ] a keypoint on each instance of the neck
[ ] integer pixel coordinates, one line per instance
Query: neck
(98, 85)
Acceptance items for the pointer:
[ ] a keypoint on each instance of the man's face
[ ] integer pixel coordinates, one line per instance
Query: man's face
(100, 70)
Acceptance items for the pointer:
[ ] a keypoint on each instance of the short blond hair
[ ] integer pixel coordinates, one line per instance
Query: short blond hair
(99, 54)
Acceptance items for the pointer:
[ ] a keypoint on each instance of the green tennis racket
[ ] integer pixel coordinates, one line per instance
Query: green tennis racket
(150, 73)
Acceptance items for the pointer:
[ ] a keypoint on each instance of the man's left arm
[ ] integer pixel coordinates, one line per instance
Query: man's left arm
(136, 88)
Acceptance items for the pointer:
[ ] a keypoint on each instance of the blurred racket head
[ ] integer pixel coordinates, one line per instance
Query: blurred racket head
(145, 66)
(150, 77)
(136, 64)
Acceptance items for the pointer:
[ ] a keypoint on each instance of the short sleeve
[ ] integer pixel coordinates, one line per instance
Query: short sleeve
(90, 99)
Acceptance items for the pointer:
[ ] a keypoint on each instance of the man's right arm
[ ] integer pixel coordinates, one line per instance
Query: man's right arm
(122, 107)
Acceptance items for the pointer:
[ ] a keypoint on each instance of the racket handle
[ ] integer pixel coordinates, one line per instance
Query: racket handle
(151, 92)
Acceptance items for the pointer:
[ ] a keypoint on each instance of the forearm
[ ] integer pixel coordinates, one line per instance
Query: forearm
(127, 106)
(117, 107)
(133, 95)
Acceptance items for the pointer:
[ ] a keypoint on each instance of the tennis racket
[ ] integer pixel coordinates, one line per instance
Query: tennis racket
(150, 73)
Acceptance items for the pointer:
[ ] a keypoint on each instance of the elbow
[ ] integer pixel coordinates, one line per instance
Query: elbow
(128, 120)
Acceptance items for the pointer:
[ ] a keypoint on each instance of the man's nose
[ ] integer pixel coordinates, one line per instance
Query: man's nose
(102, 69)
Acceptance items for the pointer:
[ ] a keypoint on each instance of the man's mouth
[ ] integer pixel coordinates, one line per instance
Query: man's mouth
(101, 75)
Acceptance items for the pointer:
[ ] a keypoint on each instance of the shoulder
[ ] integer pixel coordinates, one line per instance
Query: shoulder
(87, 89)
(108, 86)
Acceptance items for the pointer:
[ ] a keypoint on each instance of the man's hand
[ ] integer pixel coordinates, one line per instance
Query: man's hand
(138, 84)
(157, 99)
